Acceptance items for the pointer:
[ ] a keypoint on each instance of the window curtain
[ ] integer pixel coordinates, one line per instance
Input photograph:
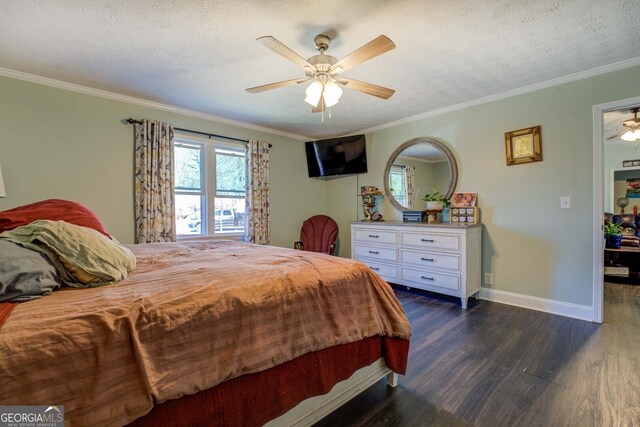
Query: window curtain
(257, 200)
(410, 180)
(154, 182)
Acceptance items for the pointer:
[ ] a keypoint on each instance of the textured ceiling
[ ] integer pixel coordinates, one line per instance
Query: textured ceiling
(201, 55)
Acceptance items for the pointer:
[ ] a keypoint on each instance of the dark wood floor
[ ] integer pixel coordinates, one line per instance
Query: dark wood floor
(622, 304)
(498, 365)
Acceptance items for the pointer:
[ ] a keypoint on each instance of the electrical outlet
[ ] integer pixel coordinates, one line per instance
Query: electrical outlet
(488, 278)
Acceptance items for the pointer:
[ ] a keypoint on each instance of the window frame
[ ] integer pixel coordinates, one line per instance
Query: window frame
(399, 170)
(209, 188)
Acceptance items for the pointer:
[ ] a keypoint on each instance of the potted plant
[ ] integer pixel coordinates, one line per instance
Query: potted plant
(436, 201)
(613, 235)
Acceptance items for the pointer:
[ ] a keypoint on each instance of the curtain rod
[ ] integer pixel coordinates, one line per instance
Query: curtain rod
(209, 135)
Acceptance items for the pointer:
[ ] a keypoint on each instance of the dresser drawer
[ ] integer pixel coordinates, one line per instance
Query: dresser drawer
(384, 270)
(432, 240)
(376, 236)
(375, 252)
(431, 278)
(429, 260)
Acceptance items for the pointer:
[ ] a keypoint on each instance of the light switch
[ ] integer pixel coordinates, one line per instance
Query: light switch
(565, 202)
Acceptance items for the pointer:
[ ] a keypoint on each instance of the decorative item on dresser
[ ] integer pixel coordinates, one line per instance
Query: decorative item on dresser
(370, 198)
(463, 208)
(442, 258)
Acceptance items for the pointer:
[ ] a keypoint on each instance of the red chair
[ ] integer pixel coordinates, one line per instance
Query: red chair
(318, 234)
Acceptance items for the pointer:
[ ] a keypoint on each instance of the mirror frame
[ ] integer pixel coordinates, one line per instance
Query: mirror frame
(422, 140)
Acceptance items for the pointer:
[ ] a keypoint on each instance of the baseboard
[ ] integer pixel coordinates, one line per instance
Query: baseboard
(576, 311)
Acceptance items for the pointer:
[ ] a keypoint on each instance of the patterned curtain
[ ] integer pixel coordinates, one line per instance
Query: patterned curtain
(257, 209)
(410, 179)
(154, 181)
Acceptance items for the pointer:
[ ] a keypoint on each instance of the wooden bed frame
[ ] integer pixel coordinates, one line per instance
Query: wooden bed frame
(312, 410)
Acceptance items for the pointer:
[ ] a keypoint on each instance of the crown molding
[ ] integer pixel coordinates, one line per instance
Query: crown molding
(32, 78)
(6, 72)
(508, 94)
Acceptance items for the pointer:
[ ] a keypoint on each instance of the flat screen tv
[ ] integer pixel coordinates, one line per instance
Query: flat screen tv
(335, 157)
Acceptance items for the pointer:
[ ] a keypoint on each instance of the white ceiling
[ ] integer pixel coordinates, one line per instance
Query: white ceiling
(201, 55)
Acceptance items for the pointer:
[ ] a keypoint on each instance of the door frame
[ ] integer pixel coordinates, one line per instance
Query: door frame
(598, 198)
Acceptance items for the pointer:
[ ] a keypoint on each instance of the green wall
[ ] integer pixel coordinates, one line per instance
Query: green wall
(61, 144)
(57, 143)
(531, 245)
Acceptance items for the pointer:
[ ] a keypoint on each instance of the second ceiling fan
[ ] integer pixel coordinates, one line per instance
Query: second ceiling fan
(324, 71)
(630, 128)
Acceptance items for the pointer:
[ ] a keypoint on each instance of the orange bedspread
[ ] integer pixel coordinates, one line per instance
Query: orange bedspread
(189, 317)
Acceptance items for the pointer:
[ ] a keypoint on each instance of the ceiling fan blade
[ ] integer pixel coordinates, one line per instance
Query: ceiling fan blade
(617, 135)
(368, 88)
(375, 47)
(319, 108)
(277, 85)
(279, 48)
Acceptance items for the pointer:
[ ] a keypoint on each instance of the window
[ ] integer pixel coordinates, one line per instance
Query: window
(398, 184)
(209, 187)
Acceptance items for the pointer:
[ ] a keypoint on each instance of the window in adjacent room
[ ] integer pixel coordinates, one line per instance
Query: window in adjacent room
(209, 188)
(398, 184)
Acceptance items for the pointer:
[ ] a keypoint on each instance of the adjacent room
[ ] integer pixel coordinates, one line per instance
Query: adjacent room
(369, 213)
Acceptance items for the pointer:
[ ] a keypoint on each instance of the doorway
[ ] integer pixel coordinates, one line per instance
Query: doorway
(599, 180)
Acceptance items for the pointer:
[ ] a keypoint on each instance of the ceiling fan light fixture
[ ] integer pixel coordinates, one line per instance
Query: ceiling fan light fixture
(628, 136)
(332, 93)
(314, 91)
(325, 69)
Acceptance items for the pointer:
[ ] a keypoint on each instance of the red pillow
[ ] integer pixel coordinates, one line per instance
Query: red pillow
(53, 210)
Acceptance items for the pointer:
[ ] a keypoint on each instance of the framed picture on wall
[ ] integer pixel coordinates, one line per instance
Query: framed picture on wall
(633, 188)
(523, 145)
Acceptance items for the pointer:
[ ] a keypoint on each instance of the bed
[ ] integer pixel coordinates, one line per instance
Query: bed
(210, 333)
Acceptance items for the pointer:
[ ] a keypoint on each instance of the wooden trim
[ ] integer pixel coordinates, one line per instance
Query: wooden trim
(598, 200)
(627, 63)
(86, 90)
(567, 309)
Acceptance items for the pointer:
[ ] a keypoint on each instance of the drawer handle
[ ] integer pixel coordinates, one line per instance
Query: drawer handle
(427, 240)
(375, 236)
(427, 259)
(426, 278)
(374, 252)
(374, 268)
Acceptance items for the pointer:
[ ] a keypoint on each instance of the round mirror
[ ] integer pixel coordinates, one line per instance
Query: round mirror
(415, 169)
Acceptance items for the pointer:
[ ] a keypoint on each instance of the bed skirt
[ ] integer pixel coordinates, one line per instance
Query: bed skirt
(254, 399)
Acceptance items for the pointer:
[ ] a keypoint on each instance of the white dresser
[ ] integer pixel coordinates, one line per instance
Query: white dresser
(443, 258)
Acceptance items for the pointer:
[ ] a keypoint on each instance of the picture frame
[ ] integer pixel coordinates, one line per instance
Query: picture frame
(523, 145)
(461, 200)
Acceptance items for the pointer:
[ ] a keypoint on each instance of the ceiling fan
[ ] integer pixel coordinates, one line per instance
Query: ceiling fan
(631, 130)
(324, 71)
